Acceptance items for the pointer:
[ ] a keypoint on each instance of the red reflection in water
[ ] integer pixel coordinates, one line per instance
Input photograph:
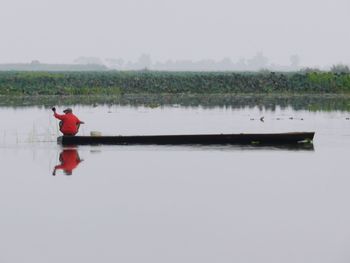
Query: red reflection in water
(69, 159)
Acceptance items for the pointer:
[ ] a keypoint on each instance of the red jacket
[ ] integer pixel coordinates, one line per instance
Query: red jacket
(69, 123)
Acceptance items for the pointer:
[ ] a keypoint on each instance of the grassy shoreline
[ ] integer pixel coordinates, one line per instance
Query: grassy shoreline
(151, 82)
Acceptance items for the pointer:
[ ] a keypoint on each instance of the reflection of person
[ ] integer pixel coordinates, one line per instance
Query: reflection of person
(69, 124)
(69, 159)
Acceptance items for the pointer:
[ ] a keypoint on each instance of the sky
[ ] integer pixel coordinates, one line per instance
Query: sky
(59, 31)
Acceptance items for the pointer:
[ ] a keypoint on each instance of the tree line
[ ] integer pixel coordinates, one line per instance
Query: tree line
(153, 82)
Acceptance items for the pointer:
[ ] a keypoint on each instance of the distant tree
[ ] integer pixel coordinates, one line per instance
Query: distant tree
(340, 68)
(225, 64)
(240, 64)
(88, 61)
(144, 61)
(259, 61)
(310, 70)
(294, 61)
(35, 62)
(115, 63)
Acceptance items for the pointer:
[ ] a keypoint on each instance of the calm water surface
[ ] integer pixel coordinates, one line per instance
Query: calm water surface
(174, 204)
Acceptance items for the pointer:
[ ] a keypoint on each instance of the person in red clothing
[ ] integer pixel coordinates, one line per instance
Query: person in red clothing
(69, 124)
(69, 159)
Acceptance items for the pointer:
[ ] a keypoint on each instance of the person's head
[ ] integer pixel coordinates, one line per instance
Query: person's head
(68, 110)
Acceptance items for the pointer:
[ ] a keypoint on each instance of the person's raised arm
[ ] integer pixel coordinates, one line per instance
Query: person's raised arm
(57, 116)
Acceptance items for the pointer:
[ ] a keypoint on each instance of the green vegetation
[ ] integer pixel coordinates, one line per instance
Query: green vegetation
(149, 82)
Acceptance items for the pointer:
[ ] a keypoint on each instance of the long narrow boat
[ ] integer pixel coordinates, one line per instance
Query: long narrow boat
(201, 139)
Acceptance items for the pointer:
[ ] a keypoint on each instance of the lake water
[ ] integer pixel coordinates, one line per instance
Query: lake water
(174, 204)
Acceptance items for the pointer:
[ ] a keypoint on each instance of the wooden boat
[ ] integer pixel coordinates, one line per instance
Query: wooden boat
(199, 139)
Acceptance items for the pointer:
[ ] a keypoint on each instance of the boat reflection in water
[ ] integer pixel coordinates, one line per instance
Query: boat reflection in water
(69, 160)
(69, 157)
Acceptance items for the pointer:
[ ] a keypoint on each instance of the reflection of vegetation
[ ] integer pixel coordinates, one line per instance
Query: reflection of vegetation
(109, 83)
(271, 102)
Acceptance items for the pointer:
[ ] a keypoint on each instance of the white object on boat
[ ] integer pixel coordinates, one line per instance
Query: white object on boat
(95, 133)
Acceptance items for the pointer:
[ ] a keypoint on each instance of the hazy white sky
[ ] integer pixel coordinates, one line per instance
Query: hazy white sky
(62, 30)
